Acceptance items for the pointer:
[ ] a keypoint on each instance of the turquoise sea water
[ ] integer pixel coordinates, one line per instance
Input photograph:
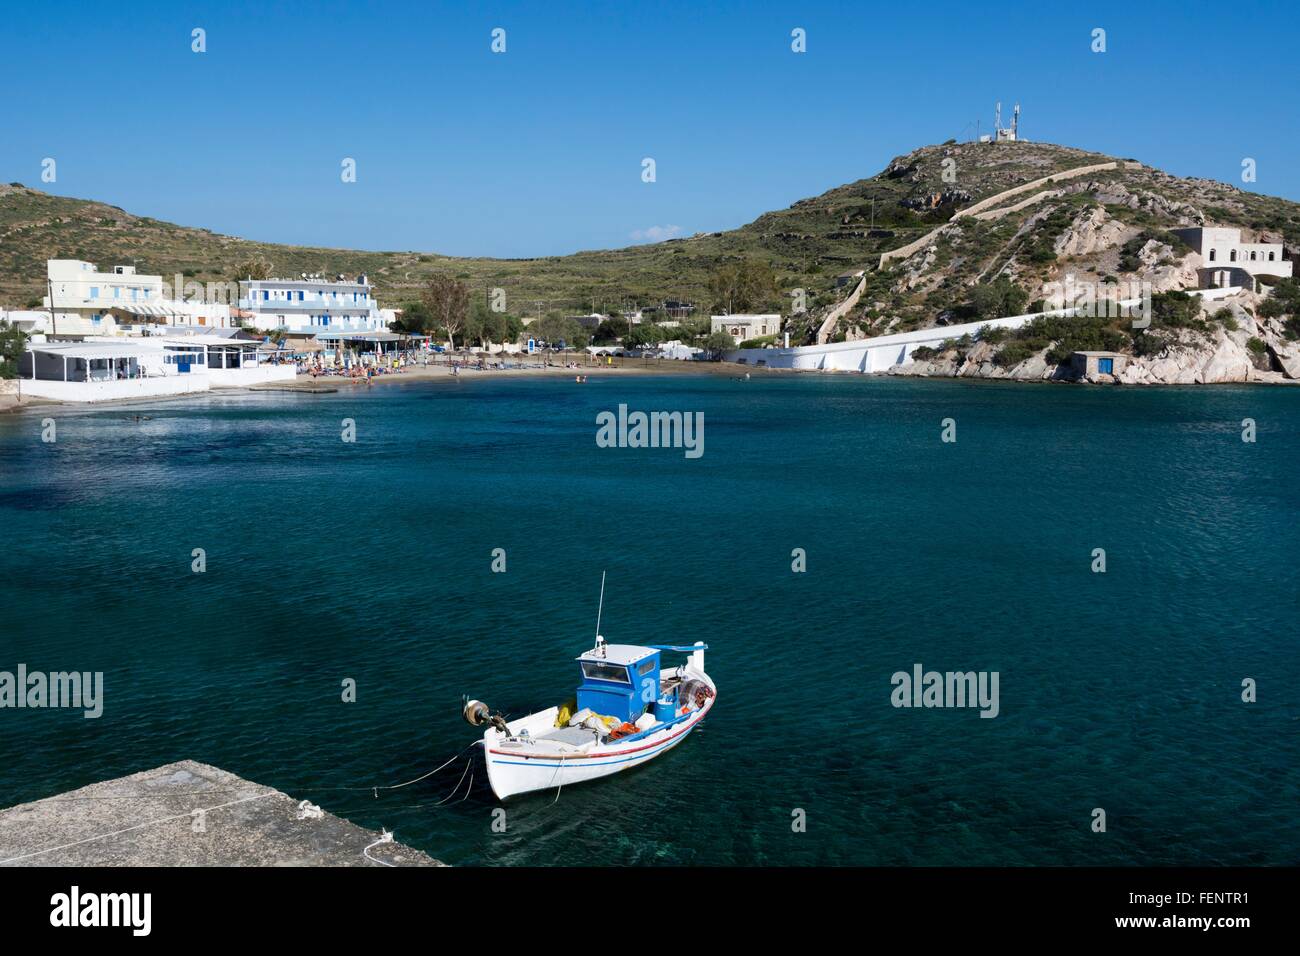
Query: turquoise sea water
(371, 561)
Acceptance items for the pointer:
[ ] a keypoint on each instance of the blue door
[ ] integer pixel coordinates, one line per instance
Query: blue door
(1106, 366)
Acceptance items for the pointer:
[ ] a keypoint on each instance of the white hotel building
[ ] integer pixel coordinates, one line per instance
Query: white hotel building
(311, 305)
(83, 301)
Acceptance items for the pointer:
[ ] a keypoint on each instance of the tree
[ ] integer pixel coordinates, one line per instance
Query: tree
(745, 286)
(692, 330)
(514, 328)
(13, 341)
(998, 299)
(481, 323)
(447, 300)
(555, 327)
(645, 335)
(414, 320)
(254, 267)
(610, 331)
(719, 342)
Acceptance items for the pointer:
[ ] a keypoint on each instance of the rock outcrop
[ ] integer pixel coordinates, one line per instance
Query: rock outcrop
(1093, 230)
(1229, 352)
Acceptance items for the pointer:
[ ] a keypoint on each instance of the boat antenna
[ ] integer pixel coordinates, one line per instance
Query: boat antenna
(600, 609)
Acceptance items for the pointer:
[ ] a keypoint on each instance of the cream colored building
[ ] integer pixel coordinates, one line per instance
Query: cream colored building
(745, 327)
(1227, 261)
(84, 301)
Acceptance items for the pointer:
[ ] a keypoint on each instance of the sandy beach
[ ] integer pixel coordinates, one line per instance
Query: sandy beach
(470, 373)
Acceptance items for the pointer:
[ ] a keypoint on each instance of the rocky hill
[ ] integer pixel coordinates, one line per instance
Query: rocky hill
(1096, 227)
(1108, 225)
(1112, 227)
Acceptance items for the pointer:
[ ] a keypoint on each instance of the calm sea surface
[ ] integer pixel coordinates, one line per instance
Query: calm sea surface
(371, 561)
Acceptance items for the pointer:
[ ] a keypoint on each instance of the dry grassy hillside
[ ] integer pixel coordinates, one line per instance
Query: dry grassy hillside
(1089, 228)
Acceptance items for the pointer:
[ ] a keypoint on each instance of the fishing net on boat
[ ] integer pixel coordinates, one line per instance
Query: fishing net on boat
(694, 693)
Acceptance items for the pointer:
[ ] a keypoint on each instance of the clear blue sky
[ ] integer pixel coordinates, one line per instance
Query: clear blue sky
(538, 151)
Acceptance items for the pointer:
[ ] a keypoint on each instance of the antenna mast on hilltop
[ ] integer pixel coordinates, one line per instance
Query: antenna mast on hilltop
(1001, 135)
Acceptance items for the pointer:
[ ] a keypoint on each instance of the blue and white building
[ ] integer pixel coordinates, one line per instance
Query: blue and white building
(311, 304)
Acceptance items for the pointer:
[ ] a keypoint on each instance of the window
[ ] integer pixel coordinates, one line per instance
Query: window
(1232, 256)
(595, 670)
(1271, 255)
(1213, 254)
(94, 292)
(646, 666)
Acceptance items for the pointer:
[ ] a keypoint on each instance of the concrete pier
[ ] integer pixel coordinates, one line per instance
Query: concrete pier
(149, 819)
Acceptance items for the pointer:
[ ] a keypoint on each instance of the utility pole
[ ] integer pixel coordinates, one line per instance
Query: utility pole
(54, 323)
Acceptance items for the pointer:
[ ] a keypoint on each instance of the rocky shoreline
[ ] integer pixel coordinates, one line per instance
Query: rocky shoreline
(1223, 355)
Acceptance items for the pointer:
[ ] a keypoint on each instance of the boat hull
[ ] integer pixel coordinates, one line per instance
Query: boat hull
(514, 771)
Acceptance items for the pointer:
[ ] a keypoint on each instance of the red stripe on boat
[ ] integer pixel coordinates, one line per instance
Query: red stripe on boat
(613, 753)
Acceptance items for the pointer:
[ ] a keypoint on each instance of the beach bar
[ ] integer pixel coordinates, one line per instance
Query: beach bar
(364, 348)
(109, 371)
(234, 362)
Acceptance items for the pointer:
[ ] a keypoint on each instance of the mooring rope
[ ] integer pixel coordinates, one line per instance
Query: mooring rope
(138, 826)
(164, 794)
(457, 787)
(561, 786)
(385, 837)
(454, 791)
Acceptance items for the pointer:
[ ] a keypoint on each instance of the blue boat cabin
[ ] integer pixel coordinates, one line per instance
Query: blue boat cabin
(620, 680)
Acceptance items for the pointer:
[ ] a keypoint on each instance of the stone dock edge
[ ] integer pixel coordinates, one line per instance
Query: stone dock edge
(150, 819)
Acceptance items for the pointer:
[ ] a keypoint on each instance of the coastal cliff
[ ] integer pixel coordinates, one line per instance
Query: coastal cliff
(1226, 342)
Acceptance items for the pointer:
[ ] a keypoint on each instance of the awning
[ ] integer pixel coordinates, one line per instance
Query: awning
(92, 350)
(140, 308)
(359, 336)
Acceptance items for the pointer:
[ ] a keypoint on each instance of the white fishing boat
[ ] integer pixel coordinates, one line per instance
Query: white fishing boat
(628, 710)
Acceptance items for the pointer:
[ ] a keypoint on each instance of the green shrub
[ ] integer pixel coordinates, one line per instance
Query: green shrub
(1013, 353)
(1177, 310)
(1226, 319)
(996, 299)
(1149, 342)
(1256, 346)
